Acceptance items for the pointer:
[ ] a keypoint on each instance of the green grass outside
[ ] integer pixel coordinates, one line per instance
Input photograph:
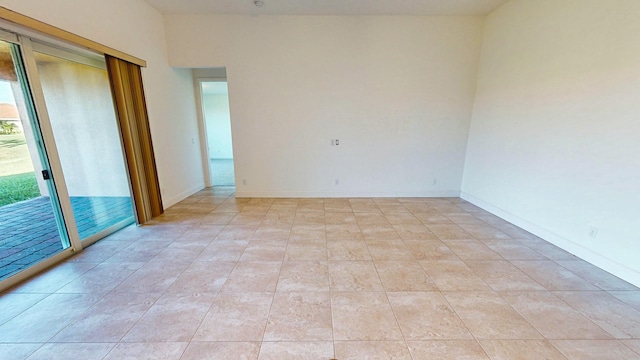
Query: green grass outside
(14, 188)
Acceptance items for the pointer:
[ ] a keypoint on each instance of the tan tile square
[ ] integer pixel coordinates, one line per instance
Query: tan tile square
(363, 316)
(203, 277)
(258, 250)
(403, 276)
(108, 320)
(364, 205)
(174, 317)
(272, 232)
(594, 350)
(279, 218)
(503, 276)
(306, 250)
(304, 276)
(520, 350)
(552, 317)
(472, 250)
(299, 316)
(374, 218)
(100, 279)
(61, 351)
(549, 250)
(632, 344)
(458, 216)
(308, 232)
(148, 350)
(347, 250)
(354, 276)
(153, 277)
(247, 219)
(337, 205)
(309, 217)
(513, 250)
(447, 349)
(236, 317)
(237, 232)
(483, 231)
(379, 232)
(13, 304)
(615, 317)
(414, 232)
(184, 250)
(62, 274)
(421, 208)
(389, 250)
(631, 298)
(18, 351)
(223, 250)
(255, 208)
(488, 316)
(322, 350)
(218, 218)
(430, 250)
(340, 218)
(253, 276)
(401, 218)
(595, 275)
(357, 350)
(46, 318)
(553, 276)
(426, 316)
(343, 232)
(451, 275)
(222, 350)
(449, 231)
(310, 205)
(140, 251)
(432, 217)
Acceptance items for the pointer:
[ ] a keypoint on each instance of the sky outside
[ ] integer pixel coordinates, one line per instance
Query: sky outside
(6, 94)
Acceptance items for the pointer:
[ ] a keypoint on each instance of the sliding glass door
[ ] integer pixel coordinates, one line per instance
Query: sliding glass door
(63, 179)
(32, 227)
(80, 108)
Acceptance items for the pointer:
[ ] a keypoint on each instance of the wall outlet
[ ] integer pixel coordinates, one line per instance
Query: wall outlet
(435, 181)
(593, 232)
(337, 181)
(244, 181)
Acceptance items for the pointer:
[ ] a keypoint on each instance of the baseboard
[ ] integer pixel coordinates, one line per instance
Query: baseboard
(620, 270)
(349, 194)
(181, 196)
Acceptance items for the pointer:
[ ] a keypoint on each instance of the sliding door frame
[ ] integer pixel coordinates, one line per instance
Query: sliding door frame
(58, 190)
(21, 29)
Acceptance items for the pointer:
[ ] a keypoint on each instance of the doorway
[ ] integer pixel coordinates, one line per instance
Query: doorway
(217, 124)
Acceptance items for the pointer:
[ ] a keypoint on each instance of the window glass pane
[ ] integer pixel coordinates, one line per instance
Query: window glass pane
(31, 226)
(80, 107)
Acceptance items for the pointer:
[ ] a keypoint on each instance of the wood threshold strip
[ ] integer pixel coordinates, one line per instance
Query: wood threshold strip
(33, 24)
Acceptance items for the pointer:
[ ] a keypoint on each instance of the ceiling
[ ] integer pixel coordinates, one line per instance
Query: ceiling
(328, 7)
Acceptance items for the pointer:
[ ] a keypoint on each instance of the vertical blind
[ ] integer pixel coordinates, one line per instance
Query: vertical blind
(131, 109)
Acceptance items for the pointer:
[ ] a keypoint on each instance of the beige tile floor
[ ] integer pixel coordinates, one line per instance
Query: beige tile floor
(222, 278)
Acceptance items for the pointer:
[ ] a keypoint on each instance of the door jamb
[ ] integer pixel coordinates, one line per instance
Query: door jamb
(202, 125)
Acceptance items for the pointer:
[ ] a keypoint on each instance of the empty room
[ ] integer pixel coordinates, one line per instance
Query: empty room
(298, 179)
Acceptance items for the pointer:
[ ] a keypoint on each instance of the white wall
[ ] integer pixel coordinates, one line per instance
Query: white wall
(554, 140)
(218, 120)
(396, 91)
(136, 28)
